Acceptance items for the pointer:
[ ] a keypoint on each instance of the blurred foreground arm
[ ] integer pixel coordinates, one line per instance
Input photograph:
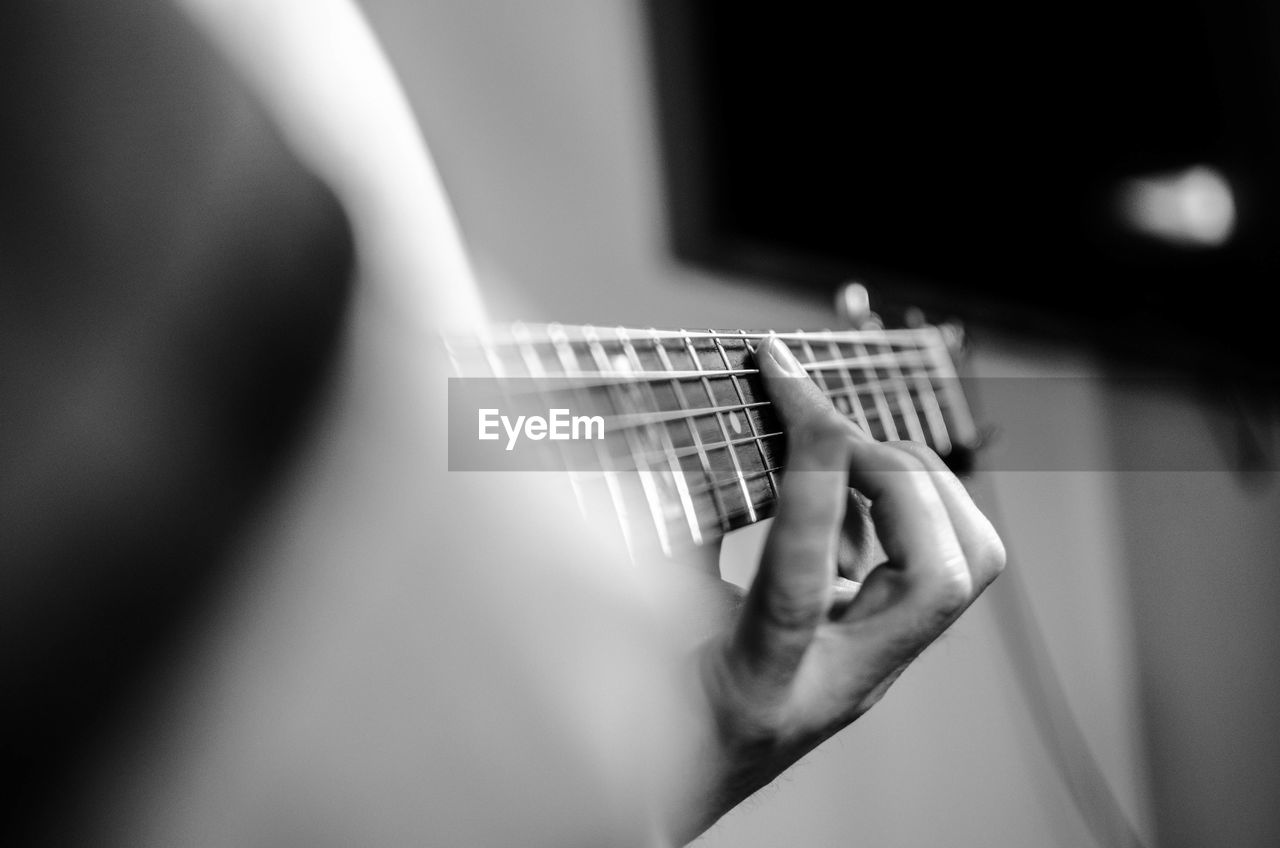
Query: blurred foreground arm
(171, 281)
(804, 658)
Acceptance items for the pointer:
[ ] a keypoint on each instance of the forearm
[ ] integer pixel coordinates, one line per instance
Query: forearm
(155, 237)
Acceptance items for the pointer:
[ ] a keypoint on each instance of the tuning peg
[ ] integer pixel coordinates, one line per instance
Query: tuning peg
(954, 337)
(853, 305)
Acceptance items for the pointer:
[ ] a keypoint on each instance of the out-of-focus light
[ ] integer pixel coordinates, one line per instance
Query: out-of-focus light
(1190, 208)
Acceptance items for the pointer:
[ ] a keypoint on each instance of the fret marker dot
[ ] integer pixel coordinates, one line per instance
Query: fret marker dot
(621, 363)
(735, 421)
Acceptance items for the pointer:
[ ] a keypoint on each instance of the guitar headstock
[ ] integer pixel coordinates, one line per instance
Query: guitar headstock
(853, 304)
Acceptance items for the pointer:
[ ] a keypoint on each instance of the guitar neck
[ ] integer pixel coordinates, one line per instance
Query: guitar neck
(687, 411)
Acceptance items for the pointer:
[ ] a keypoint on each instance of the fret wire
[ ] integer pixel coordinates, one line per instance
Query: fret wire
(962, 425)
(537, 370)
(710, 488)
(755, 475)
(881, 400)
(858, 391)
(860, 387)
(867, 388)
(905, 404)
(755, 432)
(904, 333)
(819, 378)
(870, 360)
(641, 419)
(455, 364)
(724, 431)
(903, 336)
(524, 346)
(932, 410)
(677, 473)
(692, 450)
(491, 357)
(570, 364)
(646, 482)
(597, 379)
(606, 378)
(722, 513)
(737, 387)
(919, 362)
(852, 392)
(644, 374)
(885, 386)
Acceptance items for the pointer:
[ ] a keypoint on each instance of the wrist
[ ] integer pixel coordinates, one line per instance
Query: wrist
(740, 745)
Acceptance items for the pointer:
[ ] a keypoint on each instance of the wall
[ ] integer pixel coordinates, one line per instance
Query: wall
(541, 120)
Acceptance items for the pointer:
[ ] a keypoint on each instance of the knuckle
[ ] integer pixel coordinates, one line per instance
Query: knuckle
(924, 454)
(824, 433)
(788, 612)
(950, 591)
(992, 556)
(892, 459)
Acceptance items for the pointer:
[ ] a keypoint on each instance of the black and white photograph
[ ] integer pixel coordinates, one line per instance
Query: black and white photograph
(639, 423)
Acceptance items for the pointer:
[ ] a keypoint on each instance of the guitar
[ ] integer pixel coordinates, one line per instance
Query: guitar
(691, 448)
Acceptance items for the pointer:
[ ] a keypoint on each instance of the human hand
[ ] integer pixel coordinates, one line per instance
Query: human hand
(809, 653)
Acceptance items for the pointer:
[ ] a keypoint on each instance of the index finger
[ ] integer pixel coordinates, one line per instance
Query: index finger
(793, 587)
(910, 517)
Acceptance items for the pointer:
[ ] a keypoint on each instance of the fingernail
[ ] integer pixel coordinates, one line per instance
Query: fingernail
(784, 358)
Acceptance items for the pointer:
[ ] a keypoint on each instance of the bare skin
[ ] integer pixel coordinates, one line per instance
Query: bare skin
(803, 659)
(90, 537)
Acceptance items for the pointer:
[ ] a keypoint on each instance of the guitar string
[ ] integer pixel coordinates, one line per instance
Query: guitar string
(617, 378)
(908, 409)
(580, 333)
(642, 418)
(917, 358)
(569, 363)
(879, 397)
(849, 393)
(714, 484)
(751, 419)
(721, 510)
(925, 367)
(600, 357)
(724, 430)
(852, 392)
(668, 452)
(922, 359)
(648, 419)
(922, 336)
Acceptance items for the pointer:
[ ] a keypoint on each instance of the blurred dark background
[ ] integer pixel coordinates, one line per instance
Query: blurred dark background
(1089, 185)
(983, 158)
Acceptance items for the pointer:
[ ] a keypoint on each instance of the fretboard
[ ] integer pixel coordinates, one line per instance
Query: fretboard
(693, 448)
